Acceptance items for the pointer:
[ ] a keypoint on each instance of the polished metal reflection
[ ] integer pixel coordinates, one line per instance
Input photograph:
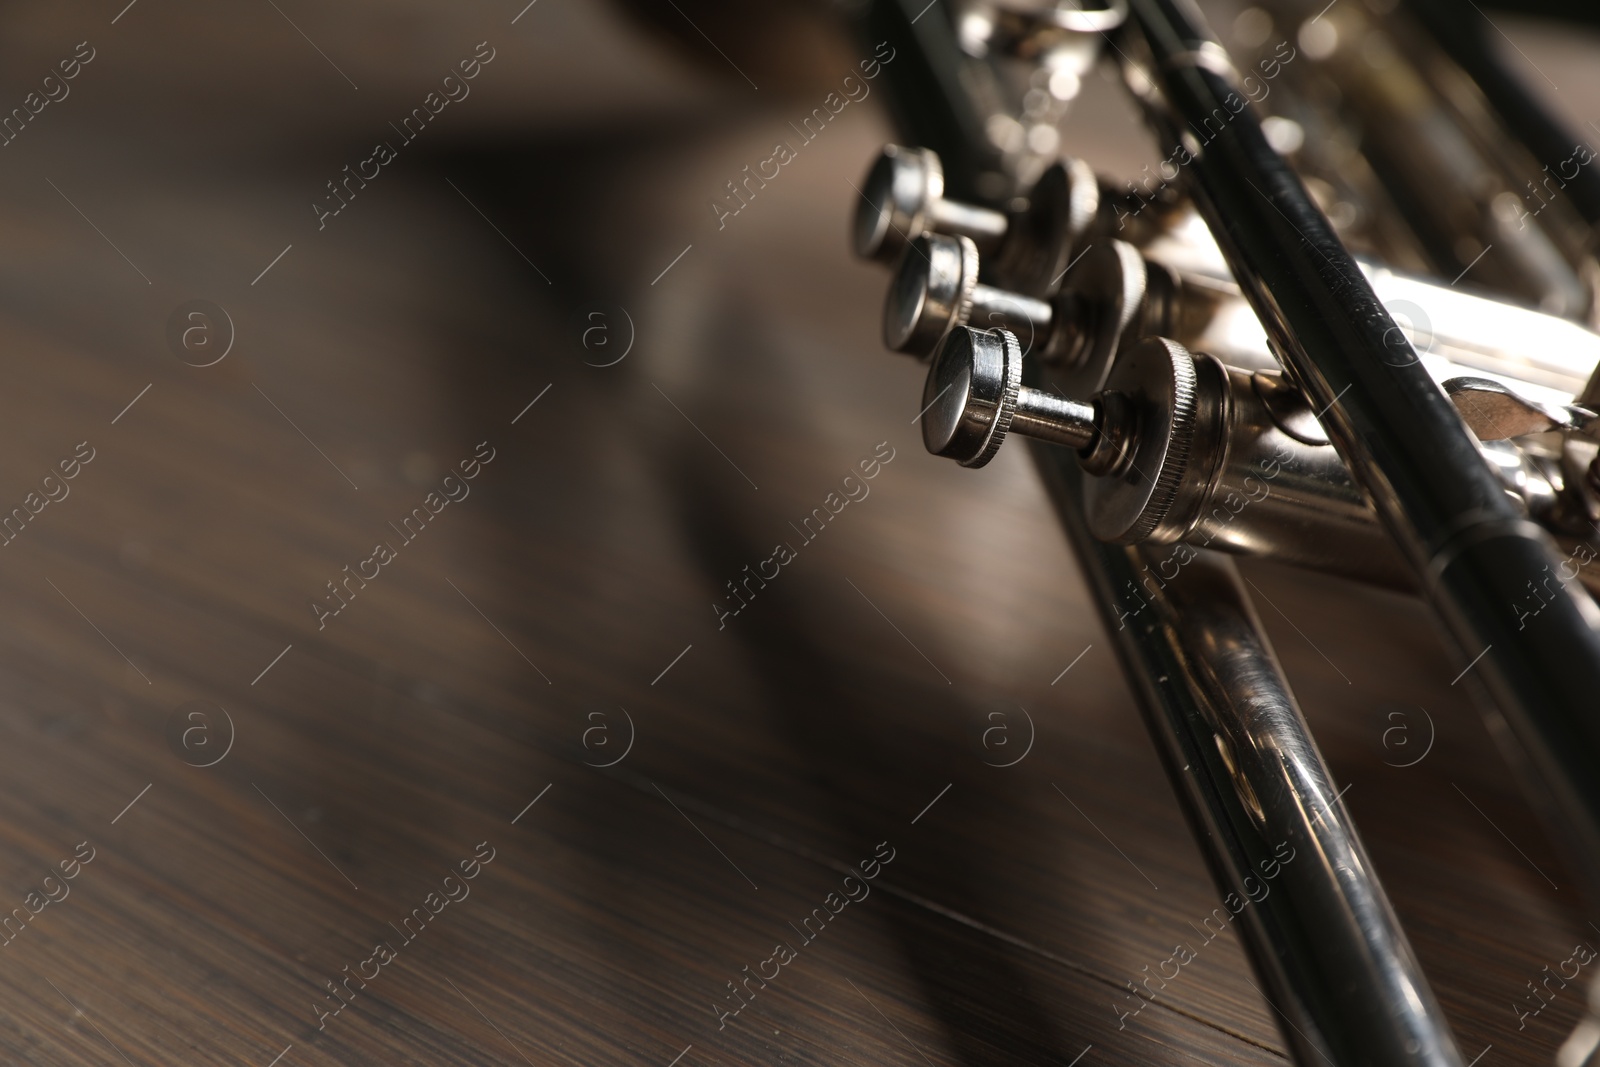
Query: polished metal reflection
(1179, 448)
(1421, 118)
(1469, 546)
(1325, 400)
(902, 197)
(1452, 331)
(936, 289)
(1325, 941)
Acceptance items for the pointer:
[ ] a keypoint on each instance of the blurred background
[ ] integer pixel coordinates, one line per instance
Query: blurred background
(274, 756)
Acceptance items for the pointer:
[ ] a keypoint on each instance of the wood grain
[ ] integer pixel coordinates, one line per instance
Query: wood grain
(458, 686)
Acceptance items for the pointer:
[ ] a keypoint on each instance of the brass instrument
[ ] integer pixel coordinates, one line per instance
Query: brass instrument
(1330, 329)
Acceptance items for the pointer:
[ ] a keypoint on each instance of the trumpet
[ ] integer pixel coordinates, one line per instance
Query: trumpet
(1267, 350)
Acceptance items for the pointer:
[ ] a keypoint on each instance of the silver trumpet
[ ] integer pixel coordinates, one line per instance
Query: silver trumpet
(1291, 343)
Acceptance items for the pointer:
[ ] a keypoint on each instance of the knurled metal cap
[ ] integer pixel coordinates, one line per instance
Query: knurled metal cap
(1157, 379)
(971, 395)
(1041, 240)
(931, 293)
(895, 200)
(1100, 296)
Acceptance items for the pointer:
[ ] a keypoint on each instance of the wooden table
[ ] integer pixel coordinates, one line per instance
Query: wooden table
(534, 670)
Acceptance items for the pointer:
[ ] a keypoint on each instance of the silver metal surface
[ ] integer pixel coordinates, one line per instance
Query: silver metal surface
(1325, 940)
(1495, 411)
(1024, 63)
(1180, 448)
(1151, 435)
(974, 397)
(1257, 490)
(1537, 355)
(1065, 212)
(1470, 546)
(936, 289)
(1421, 118)
(902, 197)
(1063, 215)
(1321, 435)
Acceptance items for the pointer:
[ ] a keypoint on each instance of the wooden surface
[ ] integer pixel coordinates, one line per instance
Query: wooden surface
(571, 592)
